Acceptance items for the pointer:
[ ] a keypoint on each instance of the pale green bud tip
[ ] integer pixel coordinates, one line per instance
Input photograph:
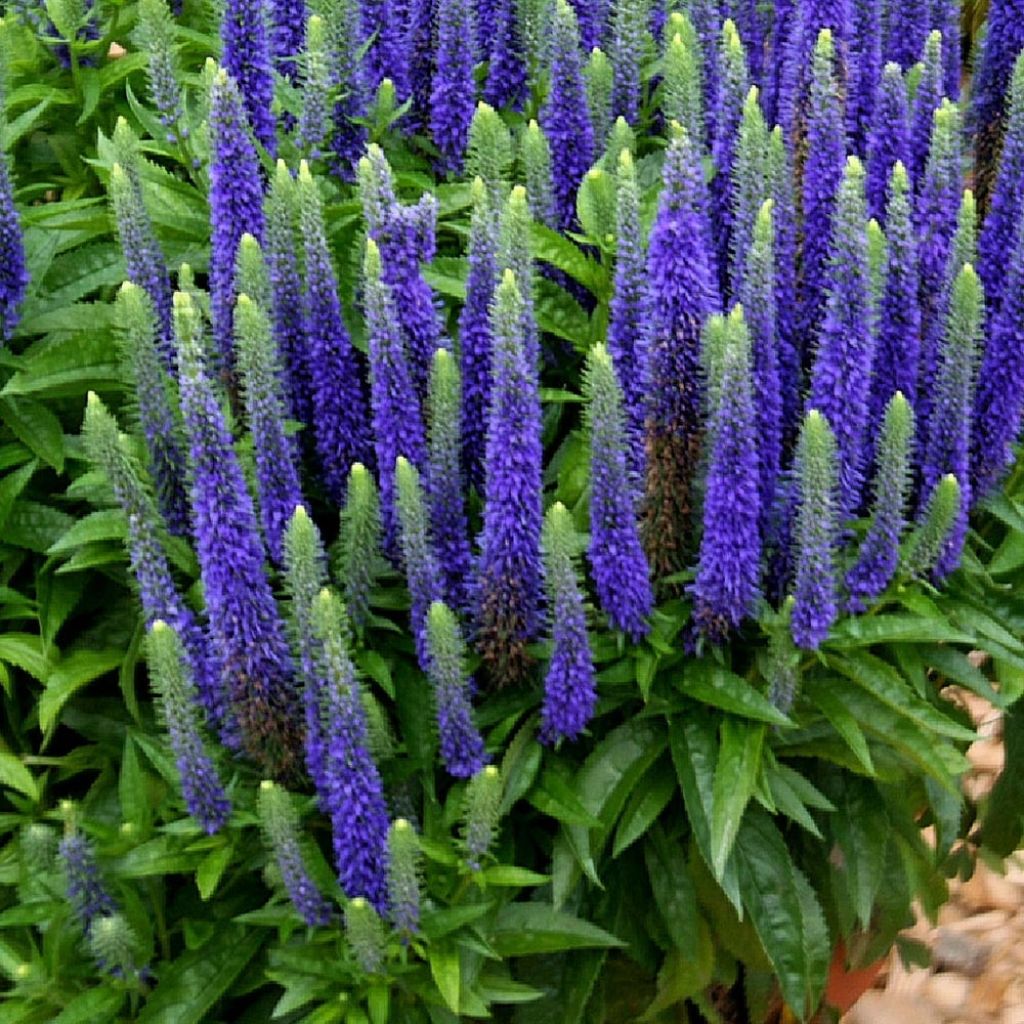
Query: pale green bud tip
(625, 160)
(358, 469)
(401, 825)
(854, 166)
(23, 970)
(93, 400)
(117, 171)
(316, 23)
(324, 596)
(182, 301)
(66, 806)
(508, 279)
(266, 785)
(159, 626)
(753, 95)
(300, 514)
(491, 771)
(304, 174)
(221, 76)
(371, 261)
(244, 301)
(359, 903)
(825, 37)
(402, 464)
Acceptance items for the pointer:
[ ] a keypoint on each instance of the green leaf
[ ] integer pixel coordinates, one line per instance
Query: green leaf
(607, 779)
(438, 923)
(524, 929)
(674, 894)
(1003, 824)
(35, 526)
(682, 976)
(76, 670)
(57, 598)
(93, 1006)
(739, 764)
(445, 970)
(886, 684)
(868, 631)
(861, 829)
(649, 799)
(104, 524)
(768, 884)
(11, 486)
(821, 693)
(211, 870)
(199, 977)
(508, 875)
(15, 775)
(710, 683)
(36, 427)
(551, 247)
(132, 787)
(23, 650)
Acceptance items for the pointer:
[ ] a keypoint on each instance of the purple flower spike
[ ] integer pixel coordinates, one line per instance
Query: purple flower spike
(245, 625)
(617, 560)
(475, 334)
(729, 566)
(565, 117)
(927, 100)
(354, 795)
(509, 570)
(462, 746)
(626, 337)
(879, 553)
(453, 97)
(570, 686)
(865, 71)
(1006, 209)
(905, 28)
(841, 376)
(506, 73)
(236, 202)
(681, 295)
(899, 334)
(816, 534)
(822, 174)
(1003, 41)
(1000, 399)
(341, 422)
(889, 140)
(244, 35)
(947, 448)
(397, 418)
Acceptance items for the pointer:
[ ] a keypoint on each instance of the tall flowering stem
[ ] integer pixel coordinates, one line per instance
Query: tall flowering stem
(143, 257)
(281, 247)
(682, 97)
(462, 747)
(109, 450)
(626, 332)
(729, 565)
(89, 897)
(947, 449)
(506, 73)
(879, 554)
(171, 676)
(627, 37)
(475, 333)
(453, 97)
(404, 870)
(1006, 209)
(681, 295)
(245, 625)
(397, 421)
(448, 523)
(570, 685)
(247, 59)
(340, 423)
(889, 139)
(822, 175)
(927, 99)
(354, 795)
(617, 560)
(1002, 44)
(155, 405)
(422, 571)
(156, 34)
(281, 827)
(999, 404)
(899, 336)
(757, 296)
(815, 589)
(407, 238)
(841, 377)
(360, 544)
(277, 473)
(236, 201)
(509, 568)
(305, 573)
(565, 117)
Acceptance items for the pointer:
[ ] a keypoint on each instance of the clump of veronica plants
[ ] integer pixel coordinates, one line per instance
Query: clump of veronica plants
(546, 516)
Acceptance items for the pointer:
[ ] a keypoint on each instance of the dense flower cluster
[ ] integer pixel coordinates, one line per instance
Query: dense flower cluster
(795, 385)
